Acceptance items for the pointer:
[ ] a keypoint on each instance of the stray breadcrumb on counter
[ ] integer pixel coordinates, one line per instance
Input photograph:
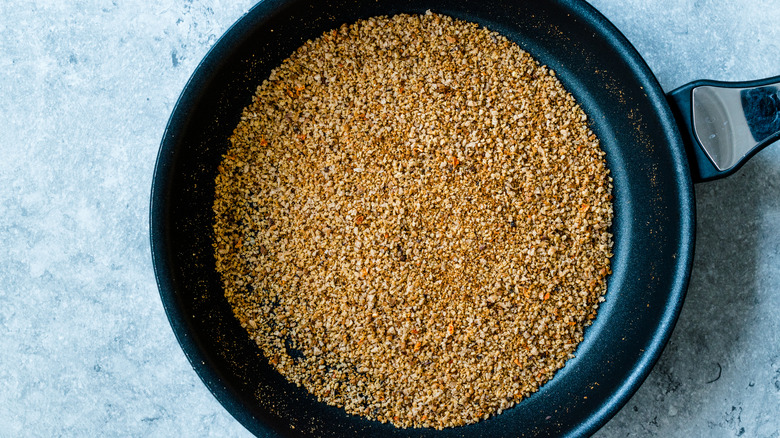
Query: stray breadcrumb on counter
(412, 221)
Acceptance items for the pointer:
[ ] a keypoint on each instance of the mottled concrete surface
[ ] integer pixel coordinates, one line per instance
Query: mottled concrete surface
(86, 88)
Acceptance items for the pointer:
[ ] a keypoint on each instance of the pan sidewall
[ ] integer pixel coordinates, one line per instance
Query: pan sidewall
(653, 227)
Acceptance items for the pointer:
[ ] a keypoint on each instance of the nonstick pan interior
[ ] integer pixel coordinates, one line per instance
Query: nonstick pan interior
(653, 224)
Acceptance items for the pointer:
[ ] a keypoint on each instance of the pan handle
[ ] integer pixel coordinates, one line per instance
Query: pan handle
(725, 123)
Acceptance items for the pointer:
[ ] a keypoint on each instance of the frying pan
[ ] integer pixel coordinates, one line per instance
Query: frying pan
(653, 166)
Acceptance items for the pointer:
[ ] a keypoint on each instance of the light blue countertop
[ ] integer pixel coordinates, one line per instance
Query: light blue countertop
(86, 88)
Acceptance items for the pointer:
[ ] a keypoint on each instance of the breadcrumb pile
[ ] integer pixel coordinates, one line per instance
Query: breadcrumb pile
(412, 221)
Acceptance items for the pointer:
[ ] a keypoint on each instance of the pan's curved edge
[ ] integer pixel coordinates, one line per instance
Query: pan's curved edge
(161, 185)
(687, 218)
(159, 206)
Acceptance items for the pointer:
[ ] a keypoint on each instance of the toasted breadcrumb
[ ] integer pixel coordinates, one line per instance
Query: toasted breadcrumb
(412, 221)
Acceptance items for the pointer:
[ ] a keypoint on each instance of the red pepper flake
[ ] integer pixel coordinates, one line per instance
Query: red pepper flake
(359, 220)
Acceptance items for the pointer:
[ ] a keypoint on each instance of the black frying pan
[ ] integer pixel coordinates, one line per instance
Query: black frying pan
(653, 226)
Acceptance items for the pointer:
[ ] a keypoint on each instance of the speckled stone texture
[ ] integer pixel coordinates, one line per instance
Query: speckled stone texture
(86, 88)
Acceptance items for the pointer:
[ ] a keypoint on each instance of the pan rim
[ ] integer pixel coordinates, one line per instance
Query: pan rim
(212, 63)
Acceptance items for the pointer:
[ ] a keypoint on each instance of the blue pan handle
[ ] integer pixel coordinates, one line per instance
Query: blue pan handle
(725, 123)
